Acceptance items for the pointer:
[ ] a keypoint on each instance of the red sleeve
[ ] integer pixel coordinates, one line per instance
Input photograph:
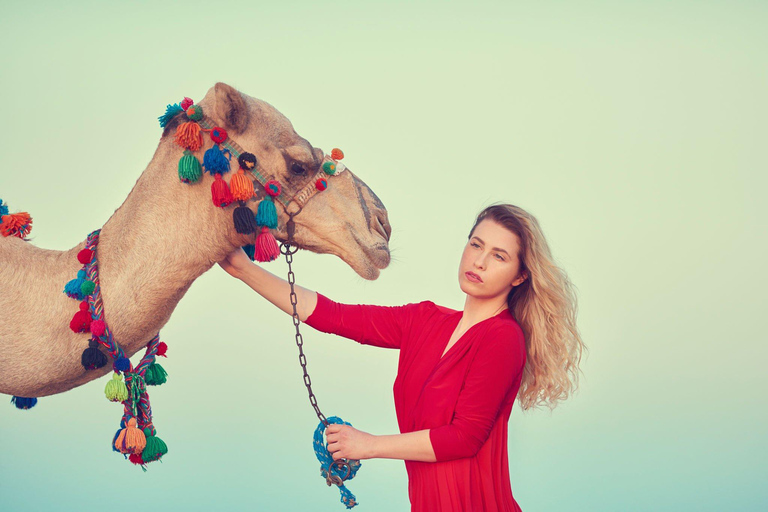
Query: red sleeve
(493, 371)
(381, 326)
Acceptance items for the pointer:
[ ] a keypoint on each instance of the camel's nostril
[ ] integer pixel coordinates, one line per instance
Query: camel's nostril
(383, 227)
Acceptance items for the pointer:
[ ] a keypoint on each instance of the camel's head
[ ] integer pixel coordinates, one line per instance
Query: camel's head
(346, 219)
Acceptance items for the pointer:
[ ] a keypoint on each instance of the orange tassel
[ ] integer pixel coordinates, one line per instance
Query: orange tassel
(240, 186)
(131, 439)
(188, 136)
(16, 224)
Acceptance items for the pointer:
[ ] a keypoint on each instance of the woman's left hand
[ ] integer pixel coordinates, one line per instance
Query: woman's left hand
(347, 442)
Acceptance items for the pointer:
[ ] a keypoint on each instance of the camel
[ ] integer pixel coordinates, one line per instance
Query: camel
(164, 236)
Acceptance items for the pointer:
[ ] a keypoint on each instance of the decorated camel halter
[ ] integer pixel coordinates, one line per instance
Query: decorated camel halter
(216, 161)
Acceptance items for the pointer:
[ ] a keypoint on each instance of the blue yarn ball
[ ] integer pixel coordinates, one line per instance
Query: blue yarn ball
(122, 364)
(22, 402)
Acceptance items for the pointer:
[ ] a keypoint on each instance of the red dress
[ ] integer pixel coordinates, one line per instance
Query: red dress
(464, 398)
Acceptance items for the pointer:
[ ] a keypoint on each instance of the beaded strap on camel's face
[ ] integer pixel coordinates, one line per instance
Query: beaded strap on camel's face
(216, 161)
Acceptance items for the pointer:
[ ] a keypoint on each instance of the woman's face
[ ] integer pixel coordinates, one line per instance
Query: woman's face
(490, 253)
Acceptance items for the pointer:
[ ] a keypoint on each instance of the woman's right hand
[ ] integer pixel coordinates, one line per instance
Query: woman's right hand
(236, 262)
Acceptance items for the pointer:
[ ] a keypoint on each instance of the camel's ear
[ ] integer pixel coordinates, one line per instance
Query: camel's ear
(230, 108)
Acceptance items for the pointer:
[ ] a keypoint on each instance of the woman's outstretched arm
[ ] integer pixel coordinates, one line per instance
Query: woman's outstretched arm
(273, 288)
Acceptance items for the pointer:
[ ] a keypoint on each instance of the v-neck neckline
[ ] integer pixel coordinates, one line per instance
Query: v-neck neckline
(460, 314)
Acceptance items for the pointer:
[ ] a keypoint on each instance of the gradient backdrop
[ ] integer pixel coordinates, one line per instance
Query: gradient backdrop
(634, 131)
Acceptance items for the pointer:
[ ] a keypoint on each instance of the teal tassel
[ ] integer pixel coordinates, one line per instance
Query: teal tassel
(250, 250)
(267, 214)
(171, 111)
(74, 288)
(3, 208)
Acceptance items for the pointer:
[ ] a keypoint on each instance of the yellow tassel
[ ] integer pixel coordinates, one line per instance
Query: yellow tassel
(115, 390)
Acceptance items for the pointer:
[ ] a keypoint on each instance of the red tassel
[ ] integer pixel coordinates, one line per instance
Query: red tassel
(161, 348)
(136, 458)
(220, 192)
(266, 246)
(81, 322)
(85, 256)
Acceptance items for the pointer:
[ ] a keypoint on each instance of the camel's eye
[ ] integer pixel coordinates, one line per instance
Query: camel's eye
(298, 169)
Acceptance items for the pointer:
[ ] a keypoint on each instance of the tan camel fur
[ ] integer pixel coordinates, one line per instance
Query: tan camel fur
(163, 237)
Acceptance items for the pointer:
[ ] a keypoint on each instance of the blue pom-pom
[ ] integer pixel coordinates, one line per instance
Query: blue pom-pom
(122, 364)
(3, 208)
(23, 402)
(171, 111)
(215, 161)
(73, 288)
(267, 214)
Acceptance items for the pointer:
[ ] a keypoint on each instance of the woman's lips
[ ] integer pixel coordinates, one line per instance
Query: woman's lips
(473, 277)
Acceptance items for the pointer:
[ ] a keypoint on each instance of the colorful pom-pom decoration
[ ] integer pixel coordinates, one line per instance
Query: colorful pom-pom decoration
(329, 168)
(92, 357)
(116, 390)
(218, 135)
(155, 447)
(81, 322)
(244, 220)
(220, 194)
(216, 161)
(122, 364)
(337, 154)
(195, 112)
(162, 348)
(247, 161)
(188, 136)
(98, 328)
(241, 186)
(155, 375)
(272, 188)
(16, 224)
(186, 103)
(250, 251)
(189, 168)
(266, 215)
(171, 111)
(85, 256)
(131, 439)
(22, 402)
(4, 207)
(321, 184)
(266, 248)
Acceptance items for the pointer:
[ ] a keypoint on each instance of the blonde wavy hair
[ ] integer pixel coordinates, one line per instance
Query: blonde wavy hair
(544, 305)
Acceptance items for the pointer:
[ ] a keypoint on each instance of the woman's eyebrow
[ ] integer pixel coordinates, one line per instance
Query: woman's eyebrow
(494, 249)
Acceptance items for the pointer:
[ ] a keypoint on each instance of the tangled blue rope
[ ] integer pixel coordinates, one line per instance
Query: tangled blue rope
(326, 460)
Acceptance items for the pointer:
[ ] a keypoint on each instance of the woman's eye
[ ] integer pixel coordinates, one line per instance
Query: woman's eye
(297, 169)
(474, 244)
(501, 258)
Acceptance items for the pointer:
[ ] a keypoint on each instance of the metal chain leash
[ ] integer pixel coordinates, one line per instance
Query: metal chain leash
(288, 249)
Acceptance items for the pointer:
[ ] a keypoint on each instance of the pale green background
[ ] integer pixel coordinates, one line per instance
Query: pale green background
(634, 131)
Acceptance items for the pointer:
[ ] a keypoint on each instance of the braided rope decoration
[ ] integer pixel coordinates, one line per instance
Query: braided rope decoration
(136, 439)
(326, 461)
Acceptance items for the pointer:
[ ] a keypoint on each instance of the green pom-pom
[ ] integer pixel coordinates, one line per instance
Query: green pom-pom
(329, 168)
(189, 168)
(267, 214)
(87, 287)
(155, 375)
(195, 112)
(155, 448)
(116, 390)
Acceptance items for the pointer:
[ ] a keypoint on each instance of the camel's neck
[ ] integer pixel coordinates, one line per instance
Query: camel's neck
(153, 248)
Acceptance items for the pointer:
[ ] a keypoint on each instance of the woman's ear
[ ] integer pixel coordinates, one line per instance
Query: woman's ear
(230, 108)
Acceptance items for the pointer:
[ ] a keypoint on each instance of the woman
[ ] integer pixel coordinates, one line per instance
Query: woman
(459, 372)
